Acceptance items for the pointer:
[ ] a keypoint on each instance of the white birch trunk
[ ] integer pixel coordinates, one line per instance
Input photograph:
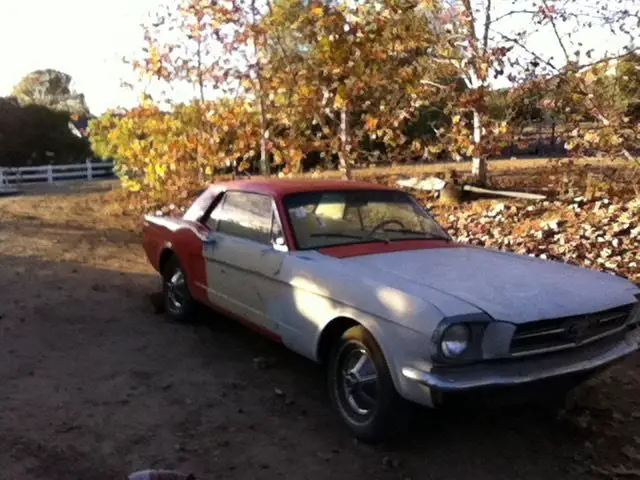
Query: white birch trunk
(344, 141)
(479, 164)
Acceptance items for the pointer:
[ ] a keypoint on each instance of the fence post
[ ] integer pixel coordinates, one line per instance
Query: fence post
(89, 171)
(50, 173)
(1, 177)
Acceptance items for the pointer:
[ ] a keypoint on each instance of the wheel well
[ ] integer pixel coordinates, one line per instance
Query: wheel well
(165, 256)
(331, 333)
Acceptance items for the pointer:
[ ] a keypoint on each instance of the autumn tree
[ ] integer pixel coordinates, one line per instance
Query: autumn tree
(355, 74)
(628, 77)
(153, 149)
(182, 50)
(590, 89)
(496, 40)
(278, 81)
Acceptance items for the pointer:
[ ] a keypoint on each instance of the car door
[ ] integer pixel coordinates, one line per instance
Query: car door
(243, 257)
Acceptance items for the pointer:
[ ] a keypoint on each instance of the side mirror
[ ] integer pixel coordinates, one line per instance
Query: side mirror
(211, 240)
(279, 244)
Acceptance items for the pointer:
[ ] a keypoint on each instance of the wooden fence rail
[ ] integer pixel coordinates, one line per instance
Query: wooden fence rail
(90, 170)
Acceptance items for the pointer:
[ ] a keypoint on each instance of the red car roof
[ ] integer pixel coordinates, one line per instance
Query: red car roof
(281, 187)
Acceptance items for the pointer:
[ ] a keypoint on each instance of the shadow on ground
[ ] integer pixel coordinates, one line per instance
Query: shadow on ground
(33, 226)
(93, 384)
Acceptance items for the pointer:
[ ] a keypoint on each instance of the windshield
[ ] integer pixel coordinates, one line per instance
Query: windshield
(322, 219)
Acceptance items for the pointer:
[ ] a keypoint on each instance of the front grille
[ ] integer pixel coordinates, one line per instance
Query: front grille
(567, 332)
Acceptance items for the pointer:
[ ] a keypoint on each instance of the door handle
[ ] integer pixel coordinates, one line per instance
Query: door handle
(210, 242)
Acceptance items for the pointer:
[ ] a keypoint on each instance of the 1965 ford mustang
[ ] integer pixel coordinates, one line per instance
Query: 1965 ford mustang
(362, 278)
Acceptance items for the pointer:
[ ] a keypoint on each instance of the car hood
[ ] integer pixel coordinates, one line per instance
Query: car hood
(507, 286)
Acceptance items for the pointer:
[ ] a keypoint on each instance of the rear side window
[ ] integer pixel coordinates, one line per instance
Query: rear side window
(244, 215)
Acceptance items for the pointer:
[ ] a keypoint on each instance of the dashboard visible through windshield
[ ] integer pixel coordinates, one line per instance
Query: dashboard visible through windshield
(323, 219)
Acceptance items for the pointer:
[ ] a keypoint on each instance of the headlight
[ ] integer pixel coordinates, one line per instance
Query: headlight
(455, 340)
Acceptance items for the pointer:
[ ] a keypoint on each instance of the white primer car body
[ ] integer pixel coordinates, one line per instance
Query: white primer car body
(335, 268)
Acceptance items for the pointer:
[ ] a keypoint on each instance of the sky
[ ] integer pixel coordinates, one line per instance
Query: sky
(88, 38)
(84, 38)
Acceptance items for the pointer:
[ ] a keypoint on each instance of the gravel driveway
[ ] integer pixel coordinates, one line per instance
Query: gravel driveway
(95, 385)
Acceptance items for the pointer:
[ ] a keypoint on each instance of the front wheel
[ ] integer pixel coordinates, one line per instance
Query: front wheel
(179, 303)
(362, 390)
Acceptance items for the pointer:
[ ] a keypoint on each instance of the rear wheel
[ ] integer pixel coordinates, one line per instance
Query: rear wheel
(179, 303)
(362, 390)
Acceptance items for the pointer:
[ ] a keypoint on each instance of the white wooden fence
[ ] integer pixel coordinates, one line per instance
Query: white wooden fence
(90, 170)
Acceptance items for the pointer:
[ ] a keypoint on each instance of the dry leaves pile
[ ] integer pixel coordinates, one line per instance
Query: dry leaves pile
(602, 234)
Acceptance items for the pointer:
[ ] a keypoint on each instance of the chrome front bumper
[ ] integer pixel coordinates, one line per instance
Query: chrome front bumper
(499, 373)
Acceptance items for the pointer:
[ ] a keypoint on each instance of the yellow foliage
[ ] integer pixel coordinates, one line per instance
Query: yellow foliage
(160, 170)
(340, 101)
(163, 154)
(371, 123)
(131, 185)
(591, 137)
(295, 155)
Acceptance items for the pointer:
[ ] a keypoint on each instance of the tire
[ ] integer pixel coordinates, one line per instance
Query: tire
(372, 409)
(179, 304)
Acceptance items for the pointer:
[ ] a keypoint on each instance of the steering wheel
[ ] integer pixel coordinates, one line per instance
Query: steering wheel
(384, 224)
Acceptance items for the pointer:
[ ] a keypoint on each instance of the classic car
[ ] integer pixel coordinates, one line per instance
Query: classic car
(360, 277)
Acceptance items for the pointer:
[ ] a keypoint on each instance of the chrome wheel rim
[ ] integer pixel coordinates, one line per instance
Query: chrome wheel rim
(176, 292)
(359, 381)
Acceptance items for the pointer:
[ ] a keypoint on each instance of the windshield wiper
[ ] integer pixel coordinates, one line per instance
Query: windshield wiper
(336, 234)
(348, 235)
(427, 236)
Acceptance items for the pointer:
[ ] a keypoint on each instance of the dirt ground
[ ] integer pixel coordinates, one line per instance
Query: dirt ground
(94, 385)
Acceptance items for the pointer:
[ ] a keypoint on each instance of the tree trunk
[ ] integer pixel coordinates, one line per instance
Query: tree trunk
(345, 166)
(479, 164)
(200, 103)
(265, 167)
(264, 133)
(200, 72)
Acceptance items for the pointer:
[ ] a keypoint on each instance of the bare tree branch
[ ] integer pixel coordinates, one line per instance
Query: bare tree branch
(610, 59)
(433, 84)
(512, 12)
(555, 31)
(471, 24)
(487, 25)
(529, 51)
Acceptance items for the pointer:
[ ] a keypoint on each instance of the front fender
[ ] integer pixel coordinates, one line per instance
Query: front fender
(312, 290)
(401, 347)
(304, 311)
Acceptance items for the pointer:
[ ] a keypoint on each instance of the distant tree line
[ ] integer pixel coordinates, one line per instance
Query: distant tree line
(42, 122)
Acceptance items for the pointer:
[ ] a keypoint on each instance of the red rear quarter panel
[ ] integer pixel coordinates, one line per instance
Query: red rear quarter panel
(184, 239)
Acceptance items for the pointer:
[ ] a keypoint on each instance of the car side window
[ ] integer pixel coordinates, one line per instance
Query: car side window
(277, 234)
(243, 214)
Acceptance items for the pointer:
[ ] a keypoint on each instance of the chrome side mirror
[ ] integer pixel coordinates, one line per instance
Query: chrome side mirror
(211, 240)
(279, 244)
